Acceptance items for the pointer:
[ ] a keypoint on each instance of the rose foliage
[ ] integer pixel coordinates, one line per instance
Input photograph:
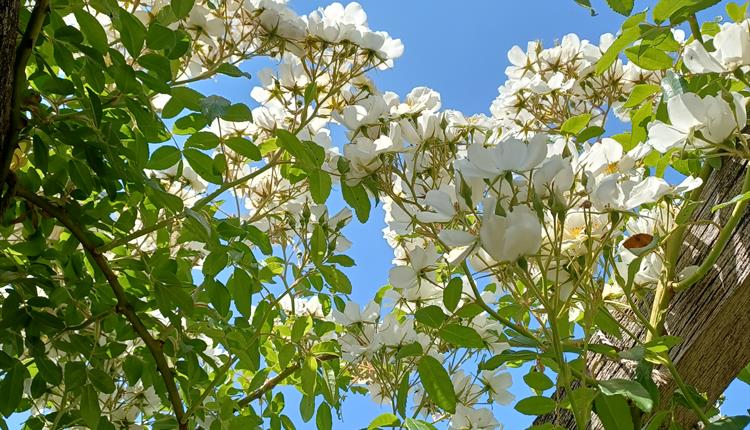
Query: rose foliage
(169, 261)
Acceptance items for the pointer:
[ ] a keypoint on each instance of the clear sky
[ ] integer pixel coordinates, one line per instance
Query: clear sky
(459, 49)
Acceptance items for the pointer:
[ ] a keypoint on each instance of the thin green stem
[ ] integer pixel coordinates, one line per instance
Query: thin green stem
(197, 206)
(721, 242)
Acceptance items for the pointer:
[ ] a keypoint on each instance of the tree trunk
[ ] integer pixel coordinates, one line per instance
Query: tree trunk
(8, 38)
(711, 317)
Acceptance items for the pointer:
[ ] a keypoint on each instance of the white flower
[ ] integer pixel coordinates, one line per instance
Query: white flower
(506, 238)
(353, 314)
(467, 418)
(698, 60)
(612, 192)
(419, 260)
(498, 383)
(732, 45)
(511, 154)
(688, 113)
(442, 203)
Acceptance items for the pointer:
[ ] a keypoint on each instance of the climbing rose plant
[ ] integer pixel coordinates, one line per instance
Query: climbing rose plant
(169, 261)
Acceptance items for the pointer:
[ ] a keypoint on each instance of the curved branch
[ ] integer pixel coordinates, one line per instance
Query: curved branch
(123, 306)
(276, 380)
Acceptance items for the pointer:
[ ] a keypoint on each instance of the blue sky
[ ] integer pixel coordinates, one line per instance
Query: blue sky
(458, 49)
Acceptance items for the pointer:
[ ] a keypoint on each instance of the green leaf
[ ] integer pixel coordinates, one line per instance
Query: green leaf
(461, 336)
(133, 367)
(744, 374)
(586, 4)
(384, 420)
(413, 349)
(678, 10)
(220, 298)
(190, 124)
(213, 107)
(318, 245)
(323, 419)
(630, 389)
(237, 113)
(415, 424)
(356, 197)
(309, 375)
(132, 32)
(159, 37)
(50, 371)
(629, 35)
(232, 70)
(90, 411)
(301, 326)
(538, 381)
(336, 279)
(640, 93)
(102, 381)
(437, 383)
(614, 412)
(589, 133)
(431, 316)
(307, 408)
(182, 8)
(311, 93)
(11, 388)
(158, 64)
(240, 287)
(737, 12)
(74, 374)
(202, 140)
(649, 58)
(402, 395)
(452, 293)
(93, 30)
(738, 422)
(163, 158)
(202, 164)
(623, 7)
(320, 185)
(243, 147)
(734, 200)
(575, 124)
(535, 405)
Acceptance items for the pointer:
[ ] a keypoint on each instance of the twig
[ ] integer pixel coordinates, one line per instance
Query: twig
(276, 380)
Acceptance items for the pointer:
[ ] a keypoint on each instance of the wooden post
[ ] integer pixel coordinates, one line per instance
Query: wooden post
(712, 317)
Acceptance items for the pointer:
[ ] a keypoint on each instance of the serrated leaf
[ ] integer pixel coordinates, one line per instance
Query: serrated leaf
(623, 7)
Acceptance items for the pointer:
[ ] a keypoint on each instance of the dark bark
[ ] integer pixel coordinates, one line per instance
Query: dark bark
(8, 38)
(711, 317)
